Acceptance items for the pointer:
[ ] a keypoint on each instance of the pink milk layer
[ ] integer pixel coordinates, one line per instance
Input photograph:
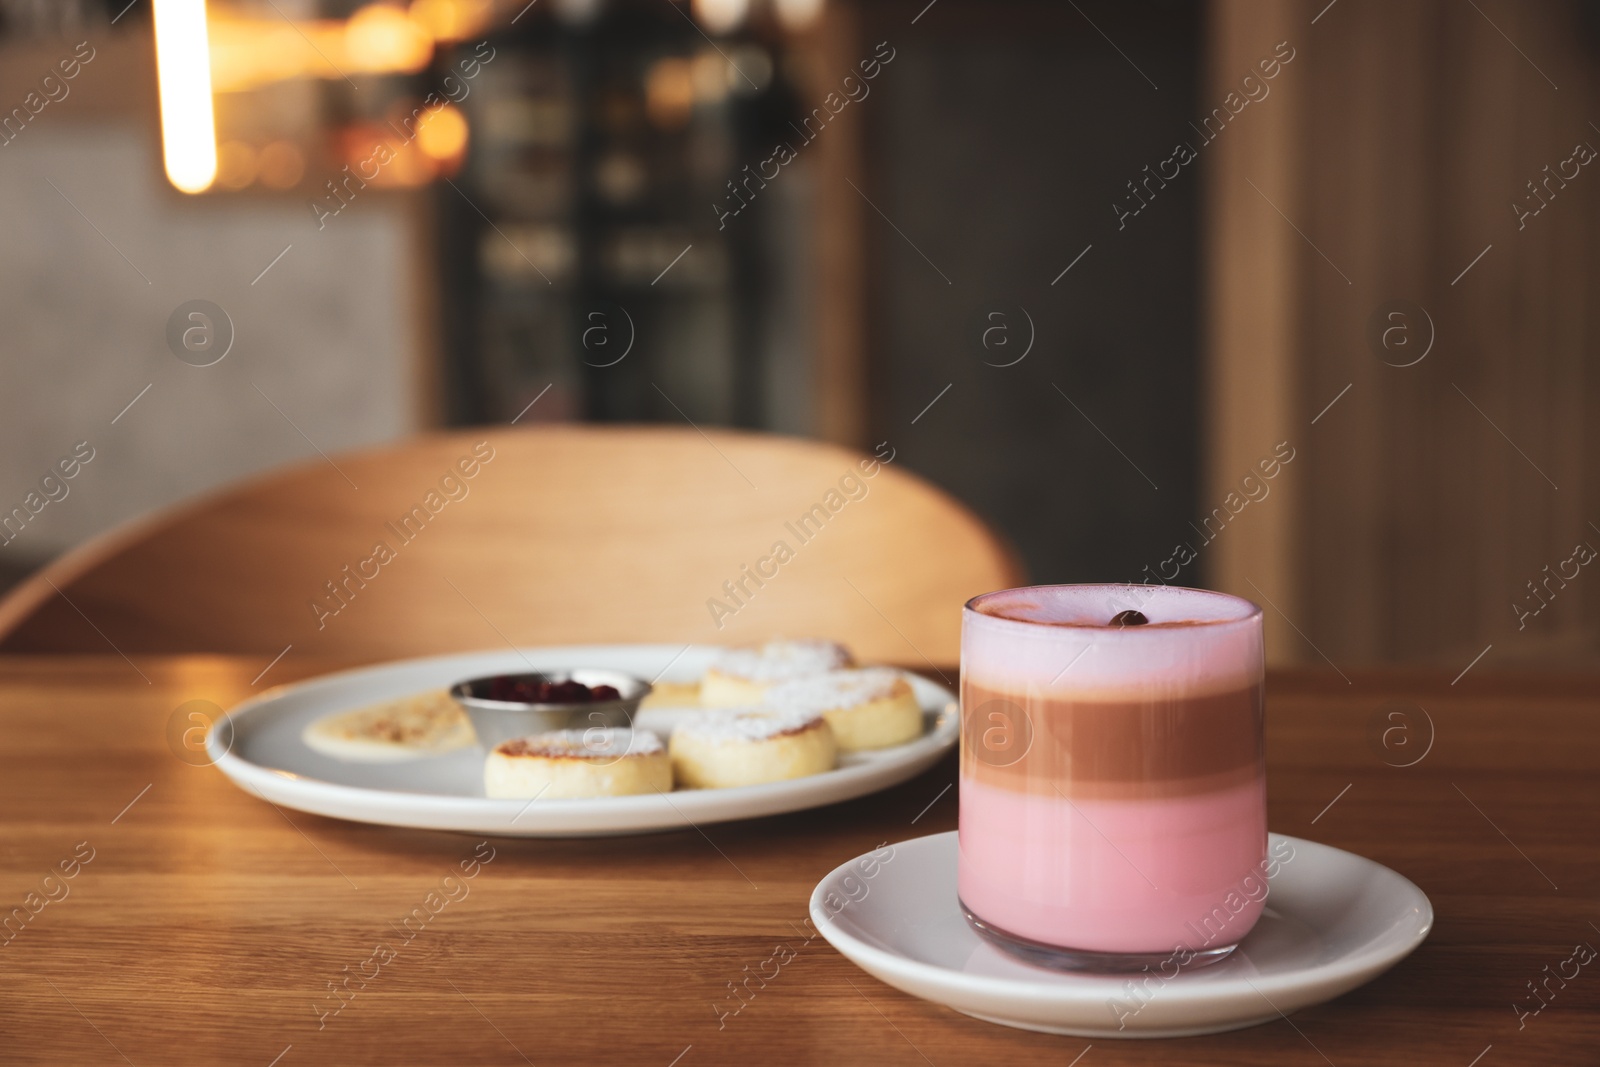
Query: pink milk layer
(1117, 875)
(1100, 874)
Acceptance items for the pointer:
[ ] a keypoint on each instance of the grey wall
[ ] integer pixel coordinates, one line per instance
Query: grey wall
(326, 334)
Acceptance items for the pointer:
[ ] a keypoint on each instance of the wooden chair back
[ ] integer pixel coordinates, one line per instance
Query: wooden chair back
(541, 535)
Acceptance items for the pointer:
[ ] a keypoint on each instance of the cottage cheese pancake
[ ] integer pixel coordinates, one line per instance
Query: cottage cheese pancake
(742, 676)
(716, 750)
(871, 707)
(566, 764)
(425, 724)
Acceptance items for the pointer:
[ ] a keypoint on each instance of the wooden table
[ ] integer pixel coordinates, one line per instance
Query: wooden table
(204, 926)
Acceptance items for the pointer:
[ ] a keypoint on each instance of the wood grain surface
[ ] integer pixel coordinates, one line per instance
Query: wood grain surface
(541, 535)
(206, 926)
(1384, 163)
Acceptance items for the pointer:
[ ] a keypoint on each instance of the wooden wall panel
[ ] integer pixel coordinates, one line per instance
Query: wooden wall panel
(1251, 286)
(1428, 494)
(834, 45)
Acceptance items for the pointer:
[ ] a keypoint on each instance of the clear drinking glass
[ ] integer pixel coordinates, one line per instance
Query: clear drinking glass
(1113, 778)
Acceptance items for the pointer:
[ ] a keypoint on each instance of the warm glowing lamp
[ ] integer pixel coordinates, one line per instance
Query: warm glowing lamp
(721, 16)
(797, 14)
(452, 20)
(380, 37)
(183, 72)
(443, 134)
(669, 92)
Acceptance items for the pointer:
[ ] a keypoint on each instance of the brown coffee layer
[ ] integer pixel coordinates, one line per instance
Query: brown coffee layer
(1150, 747)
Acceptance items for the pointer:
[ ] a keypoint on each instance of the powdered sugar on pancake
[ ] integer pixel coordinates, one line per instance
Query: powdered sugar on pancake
(834, 690)
(779, 661)
(746, 724)
(598, 742)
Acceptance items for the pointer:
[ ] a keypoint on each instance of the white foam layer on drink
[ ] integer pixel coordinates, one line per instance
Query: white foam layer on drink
(1059, 640)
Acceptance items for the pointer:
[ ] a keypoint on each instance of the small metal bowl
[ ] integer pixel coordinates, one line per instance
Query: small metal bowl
(495, 721)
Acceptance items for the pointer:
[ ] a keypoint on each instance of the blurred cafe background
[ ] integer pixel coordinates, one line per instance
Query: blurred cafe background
(1289, 299)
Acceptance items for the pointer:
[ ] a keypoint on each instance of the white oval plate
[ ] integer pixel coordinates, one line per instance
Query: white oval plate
(1333, 921)
(267, 758)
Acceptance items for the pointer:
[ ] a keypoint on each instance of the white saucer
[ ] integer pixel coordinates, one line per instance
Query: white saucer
(266, 757)
(1333, 922)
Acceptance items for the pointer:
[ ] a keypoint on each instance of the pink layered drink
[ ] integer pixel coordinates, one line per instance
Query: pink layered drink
(1113, 781)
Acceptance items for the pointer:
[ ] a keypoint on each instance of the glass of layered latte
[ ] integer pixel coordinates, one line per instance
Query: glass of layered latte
(1113, 780)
